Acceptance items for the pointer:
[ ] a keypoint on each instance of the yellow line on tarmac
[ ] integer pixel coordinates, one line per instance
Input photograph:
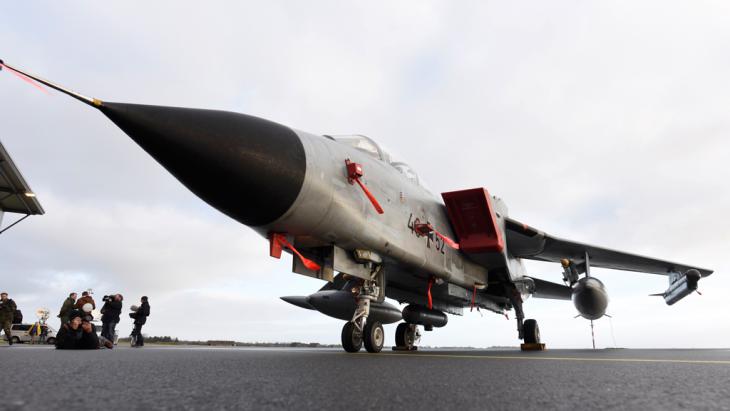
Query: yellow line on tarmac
(587, 359)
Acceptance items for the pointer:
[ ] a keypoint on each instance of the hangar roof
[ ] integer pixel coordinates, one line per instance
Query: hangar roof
(15, 194)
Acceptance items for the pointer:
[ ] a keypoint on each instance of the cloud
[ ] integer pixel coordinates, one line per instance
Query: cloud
(599, 122)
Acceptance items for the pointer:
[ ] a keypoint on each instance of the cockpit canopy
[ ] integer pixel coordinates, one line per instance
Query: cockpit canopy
(373, 149)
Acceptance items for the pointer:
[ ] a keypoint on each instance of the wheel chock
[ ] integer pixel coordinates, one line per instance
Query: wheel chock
(532, 347)
(397, 348)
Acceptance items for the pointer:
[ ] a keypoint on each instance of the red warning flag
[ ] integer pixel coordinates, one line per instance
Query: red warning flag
(428, 293)
(425, 229)
(354, 172)
(279, 240)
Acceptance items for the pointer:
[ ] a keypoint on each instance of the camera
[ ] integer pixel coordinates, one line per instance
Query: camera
(108, 298)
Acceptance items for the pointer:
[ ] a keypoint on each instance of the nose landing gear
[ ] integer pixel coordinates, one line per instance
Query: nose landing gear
(372, 336)
(359, 331)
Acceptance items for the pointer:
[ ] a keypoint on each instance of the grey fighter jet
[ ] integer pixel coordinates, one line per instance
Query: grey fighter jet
(355, 217)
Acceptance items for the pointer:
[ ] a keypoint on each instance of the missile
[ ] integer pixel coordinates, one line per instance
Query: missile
(680, 286)
(341, 304)
(299, 300)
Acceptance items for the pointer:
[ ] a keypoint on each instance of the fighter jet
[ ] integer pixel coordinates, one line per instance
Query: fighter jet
(350, 214)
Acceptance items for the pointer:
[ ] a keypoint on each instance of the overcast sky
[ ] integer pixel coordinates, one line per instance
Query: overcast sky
(603, 122)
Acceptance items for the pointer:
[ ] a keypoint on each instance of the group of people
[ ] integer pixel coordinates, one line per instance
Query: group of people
(77, 331)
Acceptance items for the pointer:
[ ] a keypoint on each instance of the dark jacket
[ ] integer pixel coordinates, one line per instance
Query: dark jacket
(110, 311)
(7, 310)
(68, 305)
(140, 317)
(70, 339)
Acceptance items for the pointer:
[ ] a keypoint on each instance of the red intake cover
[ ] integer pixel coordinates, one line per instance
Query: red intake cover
(472, 216)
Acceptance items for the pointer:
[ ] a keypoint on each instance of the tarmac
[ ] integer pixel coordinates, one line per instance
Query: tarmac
(158, 377)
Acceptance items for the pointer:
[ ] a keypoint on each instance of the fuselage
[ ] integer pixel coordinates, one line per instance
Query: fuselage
(274, 179)
(330, 210)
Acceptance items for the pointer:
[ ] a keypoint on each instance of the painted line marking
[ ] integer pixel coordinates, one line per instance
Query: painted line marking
(584, 359)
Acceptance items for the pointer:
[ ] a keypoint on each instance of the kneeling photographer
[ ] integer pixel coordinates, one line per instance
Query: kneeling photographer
(110, 312)
(79, 334)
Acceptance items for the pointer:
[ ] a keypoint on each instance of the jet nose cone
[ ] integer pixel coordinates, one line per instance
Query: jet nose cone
(247, 167)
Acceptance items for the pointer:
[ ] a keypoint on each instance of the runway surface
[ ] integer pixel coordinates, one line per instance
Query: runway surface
(39, 377)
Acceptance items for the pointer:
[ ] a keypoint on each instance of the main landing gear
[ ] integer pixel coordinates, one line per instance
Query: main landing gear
(527, 330)
(531, 332)
(406, 337)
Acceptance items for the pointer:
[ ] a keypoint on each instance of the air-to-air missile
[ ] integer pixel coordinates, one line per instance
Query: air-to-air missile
(341, 204)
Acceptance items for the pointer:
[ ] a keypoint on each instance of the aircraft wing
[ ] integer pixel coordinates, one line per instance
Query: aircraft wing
(524, 241)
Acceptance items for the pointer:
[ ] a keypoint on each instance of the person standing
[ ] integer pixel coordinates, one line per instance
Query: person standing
(7, 312)
(110, 315)
(68, 305)
(140, 318)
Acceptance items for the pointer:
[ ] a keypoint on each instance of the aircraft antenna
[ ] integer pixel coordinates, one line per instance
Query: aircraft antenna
(78, 96)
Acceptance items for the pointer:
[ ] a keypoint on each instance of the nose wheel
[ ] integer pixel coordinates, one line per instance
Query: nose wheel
(351, 337)
(372, 337)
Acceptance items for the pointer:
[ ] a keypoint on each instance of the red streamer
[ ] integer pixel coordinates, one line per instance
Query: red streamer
(311, 265)
(428, 294)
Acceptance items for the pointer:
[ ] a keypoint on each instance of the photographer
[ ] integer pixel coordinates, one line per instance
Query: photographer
(77, 334)
(140, 318)
(110, 312)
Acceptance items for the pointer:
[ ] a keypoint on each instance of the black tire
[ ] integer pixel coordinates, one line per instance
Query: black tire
(405, 335)
(400, 335)
(351, 338)
(51, 340)
(531, 332)
(374, 337)
(16, 340)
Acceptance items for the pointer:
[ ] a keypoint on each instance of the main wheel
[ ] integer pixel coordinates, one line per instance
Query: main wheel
(374, 337)
(405, 336)
(531, 332)
(351, 338)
